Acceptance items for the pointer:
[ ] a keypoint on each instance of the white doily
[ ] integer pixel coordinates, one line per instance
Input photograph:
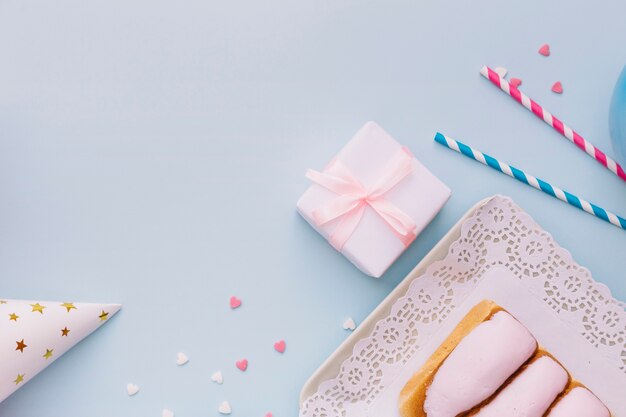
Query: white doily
(499, 233)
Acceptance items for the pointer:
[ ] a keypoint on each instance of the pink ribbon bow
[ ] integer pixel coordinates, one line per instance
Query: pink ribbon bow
(353, 198)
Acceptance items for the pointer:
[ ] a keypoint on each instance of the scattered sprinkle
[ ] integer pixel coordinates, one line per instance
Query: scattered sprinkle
(280, 346)
(557, 87)
(181, 359)
(217, 378)
(235, 302)
(167, 413)
(501, 71)
(224, 408)
(349, 324)
(545, 50)
(132, 389)
(515, 82)
(242, 365)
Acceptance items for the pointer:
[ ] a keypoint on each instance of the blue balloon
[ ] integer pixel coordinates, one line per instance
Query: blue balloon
(617, 118)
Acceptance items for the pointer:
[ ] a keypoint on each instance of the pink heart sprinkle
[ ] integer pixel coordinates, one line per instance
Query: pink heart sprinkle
(557, 87)
(280, 346)
(515, 82)
(234, 302)
(545, 50)
(242, 365)
(269, 415)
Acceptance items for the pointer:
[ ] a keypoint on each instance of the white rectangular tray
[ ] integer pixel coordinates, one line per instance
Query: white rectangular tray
(495, 251)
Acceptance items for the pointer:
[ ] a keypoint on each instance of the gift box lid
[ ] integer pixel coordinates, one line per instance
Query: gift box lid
(373, 246)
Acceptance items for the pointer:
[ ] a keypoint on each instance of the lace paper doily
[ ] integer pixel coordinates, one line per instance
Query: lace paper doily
(499, 233)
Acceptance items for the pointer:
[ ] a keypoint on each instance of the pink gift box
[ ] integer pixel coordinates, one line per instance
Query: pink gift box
(372, 200)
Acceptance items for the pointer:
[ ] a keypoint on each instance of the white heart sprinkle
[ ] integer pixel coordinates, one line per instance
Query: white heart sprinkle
(167, 413)
(501, 71)
(349, 324)
(224, 408)
(132, 389)
(181, 359)
(217, 378)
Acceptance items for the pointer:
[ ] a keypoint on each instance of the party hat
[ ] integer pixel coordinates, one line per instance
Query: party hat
(34, 333)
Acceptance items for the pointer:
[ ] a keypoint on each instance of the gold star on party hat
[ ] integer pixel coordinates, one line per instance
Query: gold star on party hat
(37, 308)
(18, 379)
(69, 306)
(103, 316)
(33, 334)
(48, 353)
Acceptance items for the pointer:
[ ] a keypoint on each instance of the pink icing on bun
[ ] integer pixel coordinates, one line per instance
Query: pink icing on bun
(479, 365)
(579, 402)
(531, 393)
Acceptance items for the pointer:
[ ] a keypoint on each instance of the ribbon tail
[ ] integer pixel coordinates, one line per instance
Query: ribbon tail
(400, 223)
(346, 227)
(396, 170)
(339, 180)
(340, 206)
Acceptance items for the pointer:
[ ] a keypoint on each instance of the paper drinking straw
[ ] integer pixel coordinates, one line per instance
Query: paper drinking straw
(532, 181)
(558, 125)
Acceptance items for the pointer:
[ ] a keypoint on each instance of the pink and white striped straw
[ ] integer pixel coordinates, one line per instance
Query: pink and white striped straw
(558, 125)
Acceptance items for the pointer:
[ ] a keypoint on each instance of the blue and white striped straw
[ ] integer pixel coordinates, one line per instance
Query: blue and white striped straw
(532, 181)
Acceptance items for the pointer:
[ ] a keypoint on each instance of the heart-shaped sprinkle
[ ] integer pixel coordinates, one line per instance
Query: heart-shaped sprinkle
(167, 413)
(349, 324)
(280, 346)
(224, 408)
(545, 50)
(515, 82)
(501, 71)
(132, 389)
(269, 415)
(557, 87)
(217, 378)
(181, 359)
(235, 302)
(242, 365)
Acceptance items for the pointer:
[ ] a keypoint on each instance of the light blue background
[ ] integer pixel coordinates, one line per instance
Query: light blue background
(151, 153)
